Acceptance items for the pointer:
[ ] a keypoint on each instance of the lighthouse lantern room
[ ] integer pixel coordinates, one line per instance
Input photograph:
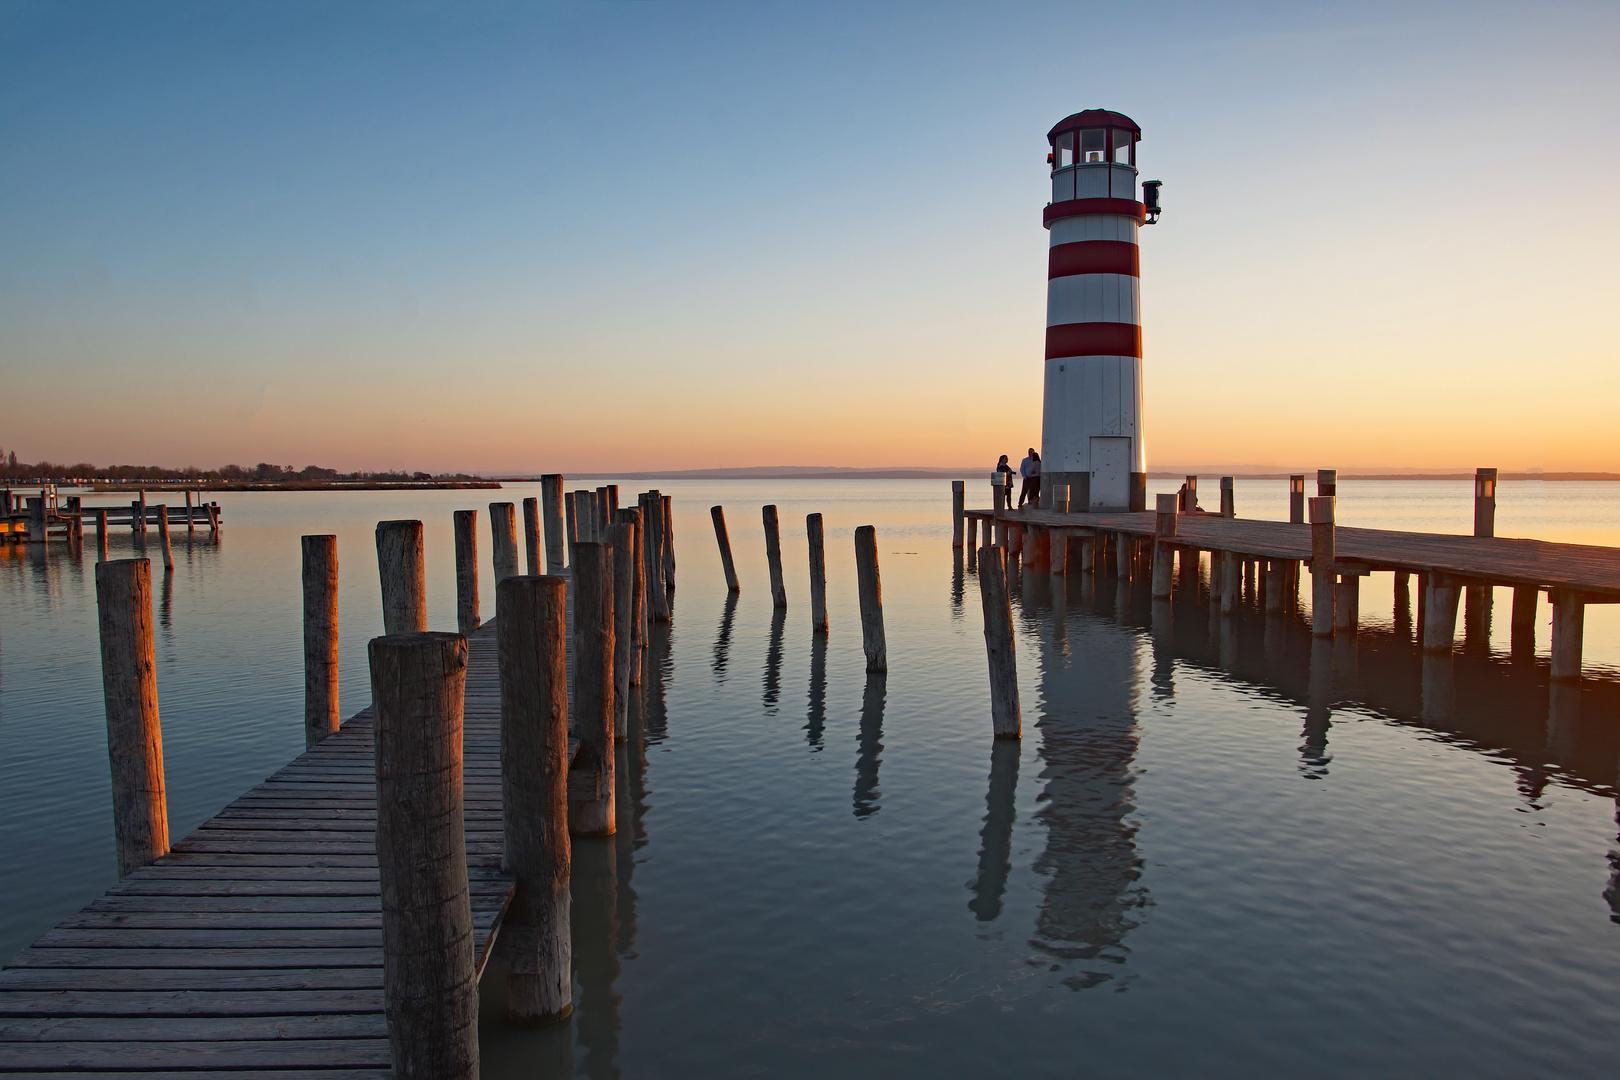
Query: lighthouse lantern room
(1091, 437)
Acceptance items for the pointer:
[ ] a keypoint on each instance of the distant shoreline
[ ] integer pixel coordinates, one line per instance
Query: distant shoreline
(809, 473)
(291, 485)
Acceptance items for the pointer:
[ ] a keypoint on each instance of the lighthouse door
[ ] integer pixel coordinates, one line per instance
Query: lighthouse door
(1110, 474)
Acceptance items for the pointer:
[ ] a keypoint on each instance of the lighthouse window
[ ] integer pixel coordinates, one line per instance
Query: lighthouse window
(1124, 147)
(1093, 146)
(1065, 150)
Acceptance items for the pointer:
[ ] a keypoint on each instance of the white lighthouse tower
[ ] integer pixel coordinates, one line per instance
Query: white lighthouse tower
(1091, 437)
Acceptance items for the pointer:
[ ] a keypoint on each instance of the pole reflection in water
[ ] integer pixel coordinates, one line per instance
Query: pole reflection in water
(871, 745)
(816, 720)
(166, 606)
(1313, 752)
(722, 639)
(1439, 690)
(773, 660)
(1164, 665)
(995, 839)
(958, 583)
(595, 918)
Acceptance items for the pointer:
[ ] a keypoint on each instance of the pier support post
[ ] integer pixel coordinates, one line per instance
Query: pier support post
(1276, 571)
(721, 538)
(1439, 614)
(958, 512)
(657, 592)
(570, 524)
(1122, 556)
(551, 512)
(1164, 531)
(871, 596)
(430, 987)
(1088, 554)
(972, 534)
(1057, 558)
(134, 729)
(404, 582)
(1484, 502)
(1347, 604)
(621, 537)
(590, 795)
(190, 527)
(1568, 628)
(1296, 499)
(631, 518)
(534, 942)
(320, 573)
(1522, 627)
(668, 506)
(773, 553)
(140, 517)
(818, 573)
(503, 537)
(1231, 582)
(1006, 721)
(1322, 569)
(531, 537)
(163, 536)
(101, 536)
(466, 529)
(1228, 498)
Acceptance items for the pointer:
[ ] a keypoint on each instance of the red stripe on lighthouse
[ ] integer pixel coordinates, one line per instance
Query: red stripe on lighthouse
(1093, 257)
(1093, 339)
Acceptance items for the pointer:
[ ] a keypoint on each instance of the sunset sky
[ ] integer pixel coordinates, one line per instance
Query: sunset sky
(632, 235)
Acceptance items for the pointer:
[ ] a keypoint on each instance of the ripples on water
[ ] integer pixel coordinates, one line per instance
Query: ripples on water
(1220, 848)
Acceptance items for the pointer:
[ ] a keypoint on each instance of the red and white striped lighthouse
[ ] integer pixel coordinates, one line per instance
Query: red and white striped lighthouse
(1091, 437)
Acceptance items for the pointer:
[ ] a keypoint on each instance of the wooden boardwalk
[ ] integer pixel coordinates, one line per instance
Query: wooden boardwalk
(1591, 571)
(254, 948)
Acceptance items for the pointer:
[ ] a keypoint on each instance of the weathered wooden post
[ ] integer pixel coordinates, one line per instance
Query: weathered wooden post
(213, 520)
(773, 555)
(134, 730)
(1322, 568)
(600, 519)
(571, 527)
(531, 537)
(466, 525)
(871, 597)
(1276, 590)
(1088, 553)
(1006, 720)
(404, 579)
(38, 523)
(590, 794)
(1347, 603)
(320, 572)
(1057, 557)
(101, 535)
(1484, 502)
(818, 573)
(631, 518)
(1164, 531)
(1522, 626)
(535, 940)
(1568, 629)
(1228, 497)
(669, 540)
(621, 538)
(657, 593)
(163, 535)
(75, 516)
(958, 511)
(503, 536)
(973, 534)
(1327, 483)
(998, 493)
(190, 526)
(1231, 582)
(1296, 499)
(1192, 493)
(551, 508)
(140, 519)
(430, 987)
(1123, 554)
(719, 515)
(1439, 614)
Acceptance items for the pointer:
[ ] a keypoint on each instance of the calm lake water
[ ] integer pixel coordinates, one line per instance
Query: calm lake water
(1220, 849)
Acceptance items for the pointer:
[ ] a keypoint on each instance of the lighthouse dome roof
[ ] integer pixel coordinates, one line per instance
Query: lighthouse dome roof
(1091, 118)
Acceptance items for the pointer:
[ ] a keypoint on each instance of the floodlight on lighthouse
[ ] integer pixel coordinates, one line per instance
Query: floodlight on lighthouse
(1091, 438)
(1150, 200)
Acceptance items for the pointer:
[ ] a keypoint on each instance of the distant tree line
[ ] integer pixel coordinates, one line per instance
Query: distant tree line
(12, 469)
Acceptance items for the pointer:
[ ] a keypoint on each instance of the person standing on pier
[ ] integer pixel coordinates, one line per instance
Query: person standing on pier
(1006, 479)
(1030, 470)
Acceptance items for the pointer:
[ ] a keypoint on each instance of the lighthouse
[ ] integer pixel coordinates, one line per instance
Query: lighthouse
(1091, 423)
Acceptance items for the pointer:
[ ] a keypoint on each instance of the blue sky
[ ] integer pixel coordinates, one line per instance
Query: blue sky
(641, 234)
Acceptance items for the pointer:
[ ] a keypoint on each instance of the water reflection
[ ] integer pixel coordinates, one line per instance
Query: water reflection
(995, 839)
(1313, 753)
(722, 639)
(870, 741)
(816, 718)
(773, 660)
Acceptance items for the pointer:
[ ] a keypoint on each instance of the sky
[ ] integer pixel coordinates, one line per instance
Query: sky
(589, 236)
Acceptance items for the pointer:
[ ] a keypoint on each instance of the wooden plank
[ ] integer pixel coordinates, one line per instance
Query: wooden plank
(151, 980)
(178, 1055)
(59, 1029)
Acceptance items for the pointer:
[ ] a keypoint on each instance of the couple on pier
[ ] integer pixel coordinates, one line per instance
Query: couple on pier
(1030, 470)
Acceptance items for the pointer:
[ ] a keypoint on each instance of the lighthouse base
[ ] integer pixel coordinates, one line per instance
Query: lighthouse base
(1079, 485)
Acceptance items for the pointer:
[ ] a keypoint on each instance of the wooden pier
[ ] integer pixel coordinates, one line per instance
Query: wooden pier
(255, 946)
(36, 519)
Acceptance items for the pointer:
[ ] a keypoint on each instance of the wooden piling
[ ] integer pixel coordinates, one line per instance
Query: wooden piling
(870, 589)
(1057, 553)
(1322, 565)
(1522, 624)
(140, 518)
(430, 987)
(1440, 614)
(1347, 603)
(590, 794)
(668, 506)
(551, 512)
(320, 576)
(719, 515)
(466, 526)
(403, 577)
(535, 936)
(503, 537)
(1276, 585)
(1006, 720)
(134, 729)
(773, 555)
(600, 519)
(1164, 532)
(657, 593)
(1122, 555)
(531, 537)
(958, 512)
(189, 526)
(1484, 502)
(1296, 499)
(631, 518)
(1231, 582)
(972, 534)
(571, 527)
(163, 535)
(1228, 497)
(1327, 483)
(101, 536)
(818, 573)
(621, 538)
(1568, 629)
